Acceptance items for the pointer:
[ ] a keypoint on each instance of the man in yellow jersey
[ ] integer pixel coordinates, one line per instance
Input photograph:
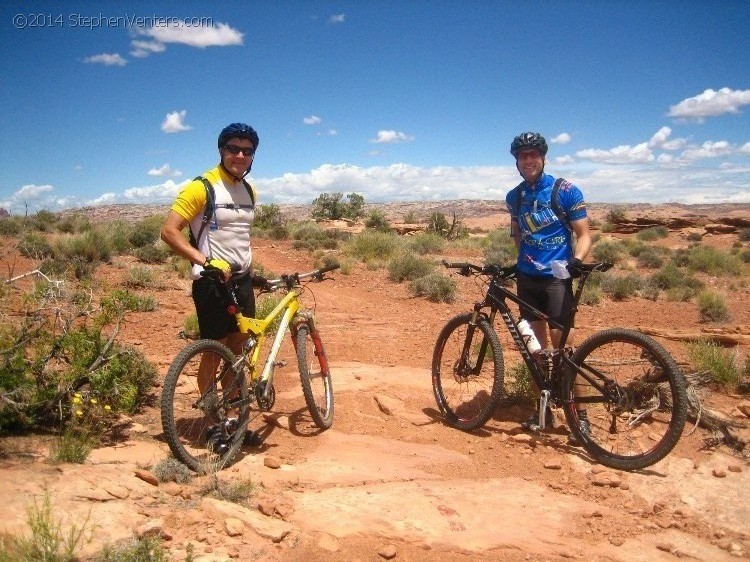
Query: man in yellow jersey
(219, 239)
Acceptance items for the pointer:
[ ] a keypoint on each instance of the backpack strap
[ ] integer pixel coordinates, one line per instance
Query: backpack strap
(554, 200)
(209, 211)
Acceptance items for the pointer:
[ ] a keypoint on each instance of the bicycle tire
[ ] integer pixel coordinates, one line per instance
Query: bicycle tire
(184, 422)
(466, 397)
(644, 424)
(315, 376)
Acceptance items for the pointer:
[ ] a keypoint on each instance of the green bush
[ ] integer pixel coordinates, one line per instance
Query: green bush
(499, 248)
(426, 243)
(42, 221)
(34, 245)
(616, 215)
(373, 246)
(436, 287)
(407, 267)
(331, 206)
(190, 327)
(519, 384)
(10, 226)
(653, 233)
(146, 549)
(713, 262)
(268, 217)
(377, 221)
(609, 250)
(410, 218)
(309, 236)
(140, 277)
(651, 257)
(146, 231)
(74, 223)
(622, 287)
(117, 302)
(90, 246)
(153, 253)
(744, 234)
(721, 363)
(712, 307)
(118, 236)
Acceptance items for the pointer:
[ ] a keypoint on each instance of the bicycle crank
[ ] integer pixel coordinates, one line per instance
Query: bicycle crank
(265, 404)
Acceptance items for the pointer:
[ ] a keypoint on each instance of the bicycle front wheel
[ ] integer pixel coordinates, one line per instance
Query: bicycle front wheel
(637, 414)
(467, 372)
(203, 424)
(315, 376)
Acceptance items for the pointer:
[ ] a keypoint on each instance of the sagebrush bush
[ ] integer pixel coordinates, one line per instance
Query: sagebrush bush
(407, 266)
(651, 258)
(268, 216)
(373, 246)
(616, 215)
(653, 233)
(744, 234)
(140, 277)
(117, 302)
(609, 250)
(153, 253)
(377, 220)
(426, 243)
(11, 226)
(519, 384)
(74, 223)
(146, 549)
(499, 248)
(721, 363)
(436, 287)
(146, 231)
(309, 236)
(190, 326)
(712, 307)
(172, 470)
(623, 286)
(91, 246)
(34, 245)
(713, 261)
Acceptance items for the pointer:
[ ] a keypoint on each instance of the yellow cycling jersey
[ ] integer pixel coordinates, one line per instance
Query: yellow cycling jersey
(227, 235)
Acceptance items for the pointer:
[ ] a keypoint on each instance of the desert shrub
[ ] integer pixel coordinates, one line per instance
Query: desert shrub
(172, 470)
(90, 246)
(34, 245)
(712, 261)
(407, 266)
(377, 221)
(609, 250)
(74, 223)
(146, 549)
(652, 233)
(153, 253)
(268, 217)
(332, 206)
(436, 287)
(265, 306)
(651, 257)
(721, 363)
(118, 236)
(47, 541)
(744, 234)
(623, 286)
(681, 293)
(42, 221)
(410, 218)
(438, 224)
(72, 446)
(10, 226)
(591, 296)
(499, 248)
(745, 255)
(519, 384)
(694, 237)
(140, 277)
(309, 236)
(712, 307)
(146, 231)
(607, 227)
(617, 214)
(373, 246)
(190, 327)
(426, 243)
(117, 302)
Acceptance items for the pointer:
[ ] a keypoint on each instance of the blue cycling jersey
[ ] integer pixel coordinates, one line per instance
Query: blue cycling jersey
(544, 237)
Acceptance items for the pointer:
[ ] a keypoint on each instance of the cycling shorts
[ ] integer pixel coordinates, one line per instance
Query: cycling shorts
(211, 301)
(550, 295)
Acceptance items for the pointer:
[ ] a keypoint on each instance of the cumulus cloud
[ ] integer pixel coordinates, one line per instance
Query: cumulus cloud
(200, 36)
(337, 18)
(391, 137)
(142, 49)
(107, 59)
(623, 154)
(744, 149)
(161, 193)
(711, 103)
(312, 120)
(661, 140)
(164, 171)
(32, 191)
(173, 122)
(562, 138)
(708, 149)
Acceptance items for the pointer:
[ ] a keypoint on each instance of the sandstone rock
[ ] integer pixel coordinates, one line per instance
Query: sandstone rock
(233, 526)
(553, 464)
(277, 420)
(719, 473)
(522, 438)
(664, 547)
(606, 479)
(734, 468)
(172, 488)
(744, 407)
(387, 405)
(272, 462)
(329, 543)
(146, 476)
(266, 506)
(388, 552)
(117, 491)
(153, 528)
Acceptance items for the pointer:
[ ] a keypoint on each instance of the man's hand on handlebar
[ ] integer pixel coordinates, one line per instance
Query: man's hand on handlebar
(218, 264)
(574, 268)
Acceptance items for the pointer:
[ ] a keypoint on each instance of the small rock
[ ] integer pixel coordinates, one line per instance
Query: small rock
(616, 541)
(285, 511)
(266, 506)
(388, 552)
(277, 420)
(719, 473)
(522, 438)
(272, 462)
(606, 479)
(172, 488)
(731, 467)
(153, 528)
(234, 527)
(744, 407)
(664, 547)
(138, 428)
(119, 492)
(553, 464)
(147, 476)
(329, 543)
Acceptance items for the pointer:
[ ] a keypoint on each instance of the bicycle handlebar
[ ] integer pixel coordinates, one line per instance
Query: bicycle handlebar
(466, 268)
(291, 279)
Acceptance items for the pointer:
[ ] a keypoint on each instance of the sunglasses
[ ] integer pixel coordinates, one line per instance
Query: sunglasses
(234, 149)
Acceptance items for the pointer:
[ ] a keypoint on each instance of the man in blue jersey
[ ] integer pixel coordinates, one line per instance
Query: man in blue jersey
(542, 229)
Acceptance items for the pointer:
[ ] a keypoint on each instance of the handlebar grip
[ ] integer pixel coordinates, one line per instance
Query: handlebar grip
(456, 265)
(328, 268)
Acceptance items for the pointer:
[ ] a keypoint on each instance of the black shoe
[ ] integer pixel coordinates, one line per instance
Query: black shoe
(219, 434)
(532, 424)
(584, 427)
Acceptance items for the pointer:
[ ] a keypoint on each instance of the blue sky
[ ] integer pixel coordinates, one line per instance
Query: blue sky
(116, 102)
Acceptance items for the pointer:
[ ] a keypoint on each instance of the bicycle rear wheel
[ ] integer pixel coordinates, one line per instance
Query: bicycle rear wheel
(315, 376)
(637, 417)
(467, 372)
(187, 414)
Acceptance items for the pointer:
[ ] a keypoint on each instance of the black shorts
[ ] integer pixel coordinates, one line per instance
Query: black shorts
(211, 301)
(550, 295)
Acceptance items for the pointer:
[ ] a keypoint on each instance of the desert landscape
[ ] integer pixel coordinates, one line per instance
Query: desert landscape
(390, 480)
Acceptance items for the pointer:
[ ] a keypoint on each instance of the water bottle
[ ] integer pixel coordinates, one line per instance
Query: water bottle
(528, 336)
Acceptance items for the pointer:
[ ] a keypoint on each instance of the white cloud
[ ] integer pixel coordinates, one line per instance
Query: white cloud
(337, 18)
(312, 120)
(708, 149)
(392, 137)
(161, 193)
(142, 49)
(31, 191)
(562, 138)
(744, 149)
(660, 140)
(564, 160)
(173, 122)
(165, 171)
(623, 154)
(107, 59)
(220, 35)
(103, 199)
(711, 103)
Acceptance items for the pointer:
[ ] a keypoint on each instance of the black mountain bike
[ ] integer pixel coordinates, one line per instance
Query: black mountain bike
(631, 389)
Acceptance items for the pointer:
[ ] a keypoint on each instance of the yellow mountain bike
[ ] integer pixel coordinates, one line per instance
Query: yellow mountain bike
(208, 391)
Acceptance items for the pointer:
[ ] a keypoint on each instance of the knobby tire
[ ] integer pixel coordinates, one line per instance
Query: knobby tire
(315, 376)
